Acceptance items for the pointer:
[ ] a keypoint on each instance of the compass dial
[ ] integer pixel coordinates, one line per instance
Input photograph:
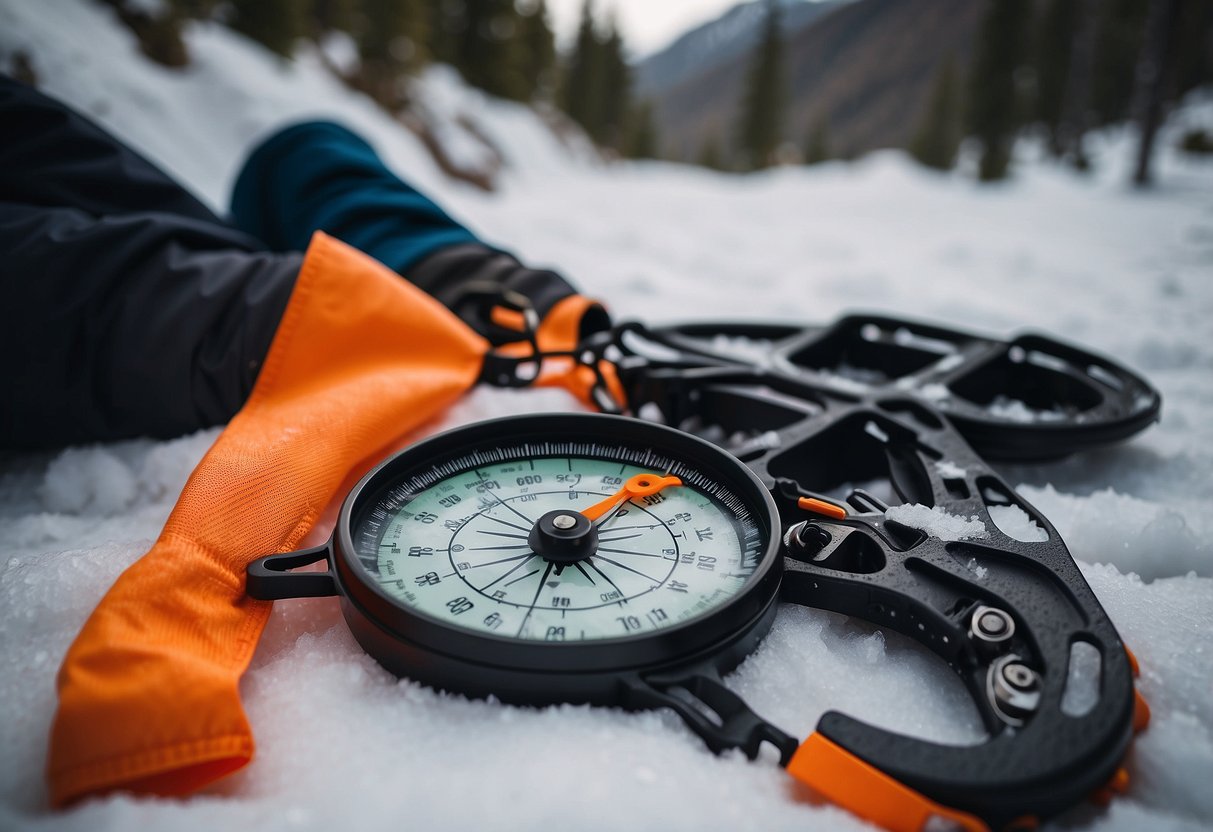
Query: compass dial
(544, 541)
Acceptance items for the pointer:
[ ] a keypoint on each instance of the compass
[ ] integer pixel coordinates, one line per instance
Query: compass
(543, 558)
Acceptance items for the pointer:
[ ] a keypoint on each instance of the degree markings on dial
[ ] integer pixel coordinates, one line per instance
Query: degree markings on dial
(493, 484)
(489, 491)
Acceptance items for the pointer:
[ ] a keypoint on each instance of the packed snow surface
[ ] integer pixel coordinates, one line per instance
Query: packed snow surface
(937, 522)
(1017, 524)
(342, 744)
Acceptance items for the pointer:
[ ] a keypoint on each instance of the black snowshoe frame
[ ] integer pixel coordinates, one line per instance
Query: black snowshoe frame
(818, 413)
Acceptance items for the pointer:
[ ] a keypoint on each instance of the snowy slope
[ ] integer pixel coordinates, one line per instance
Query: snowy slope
(341, 744)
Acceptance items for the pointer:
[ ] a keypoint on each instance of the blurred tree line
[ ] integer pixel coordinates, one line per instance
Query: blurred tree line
(760, 127)
(596, 89)
(504, 47)
(1059, 68)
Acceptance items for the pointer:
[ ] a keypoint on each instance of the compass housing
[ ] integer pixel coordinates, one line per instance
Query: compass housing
(411, 643)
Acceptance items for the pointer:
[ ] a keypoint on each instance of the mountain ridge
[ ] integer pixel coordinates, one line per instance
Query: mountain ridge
(864, 69)
(732, 33)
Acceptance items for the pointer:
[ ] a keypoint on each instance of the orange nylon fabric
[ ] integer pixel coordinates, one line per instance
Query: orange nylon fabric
(148, 693)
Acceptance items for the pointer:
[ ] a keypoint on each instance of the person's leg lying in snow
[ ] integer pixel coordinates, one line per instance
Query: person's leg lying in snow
(132, 310)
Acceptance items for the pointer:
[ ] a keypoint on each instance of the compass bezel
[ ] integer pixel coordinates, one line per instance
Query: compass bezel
(412, 643)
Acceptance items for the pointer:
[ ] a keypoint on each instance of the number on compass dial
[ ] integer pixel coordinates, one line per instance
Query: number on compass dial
(561, 548)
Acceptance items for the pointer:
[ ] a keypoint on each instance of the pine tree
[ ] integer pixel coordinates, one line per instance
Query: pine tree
(994, 105)
(1118, 42)
(538, 50)
(642, 134)
(1076, 104)
(582, 75)
(1155, 77)
(1194, 51)
(488, 51)
(938, 137)
(194, 9)
(763, 104)
(275, 24)
(333, 16)
(614, 91)
(817, 148)
(1055, 37)
(391, 42)
(446, 23)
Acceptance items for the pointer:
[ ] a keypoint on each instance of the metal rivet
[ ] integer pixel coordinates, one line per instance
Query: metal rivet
(991, 625)
(1019, 676)
(1013, 689)
(564, 521)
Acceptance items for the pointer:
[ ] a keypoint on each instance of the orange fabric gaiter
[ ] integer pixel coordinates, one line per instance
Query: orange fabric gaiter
(148, 693)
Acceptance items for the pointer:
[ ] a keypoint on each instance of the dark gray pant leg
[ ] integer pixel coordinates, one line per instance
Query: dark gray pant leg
(128, 325)
(127, 308)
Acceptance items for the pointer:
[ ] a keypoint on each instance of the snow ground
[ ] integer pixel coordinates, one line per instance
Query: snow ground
(342, 743)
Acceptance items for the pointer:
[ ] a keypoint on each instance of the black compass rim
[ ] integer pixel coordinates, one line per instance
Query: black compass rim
(365, 599)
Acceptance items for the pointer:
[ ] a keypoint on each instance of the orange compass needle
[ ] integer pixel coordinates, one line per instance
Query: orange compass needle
(640, 485)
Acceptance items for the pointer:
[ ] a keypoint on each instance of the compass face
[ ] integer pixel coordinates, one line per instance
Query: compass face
(500, 541)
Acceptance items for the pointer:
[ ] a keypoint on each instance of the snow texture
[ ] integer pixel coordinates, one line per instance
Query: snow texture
(949, 470)
(1017, 524)
(936, 522)
(342, 744)
(1016, 411)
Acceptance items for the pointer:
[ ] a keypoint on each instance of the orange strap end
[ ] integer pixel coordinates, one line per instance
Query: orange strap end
(149, 692)
(561, 332)
(821, 507)
(1118, 784)
(847, 781)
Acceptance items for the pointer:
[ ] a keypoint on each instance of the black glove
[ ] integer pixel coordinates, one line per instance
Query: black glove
(471, 279)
